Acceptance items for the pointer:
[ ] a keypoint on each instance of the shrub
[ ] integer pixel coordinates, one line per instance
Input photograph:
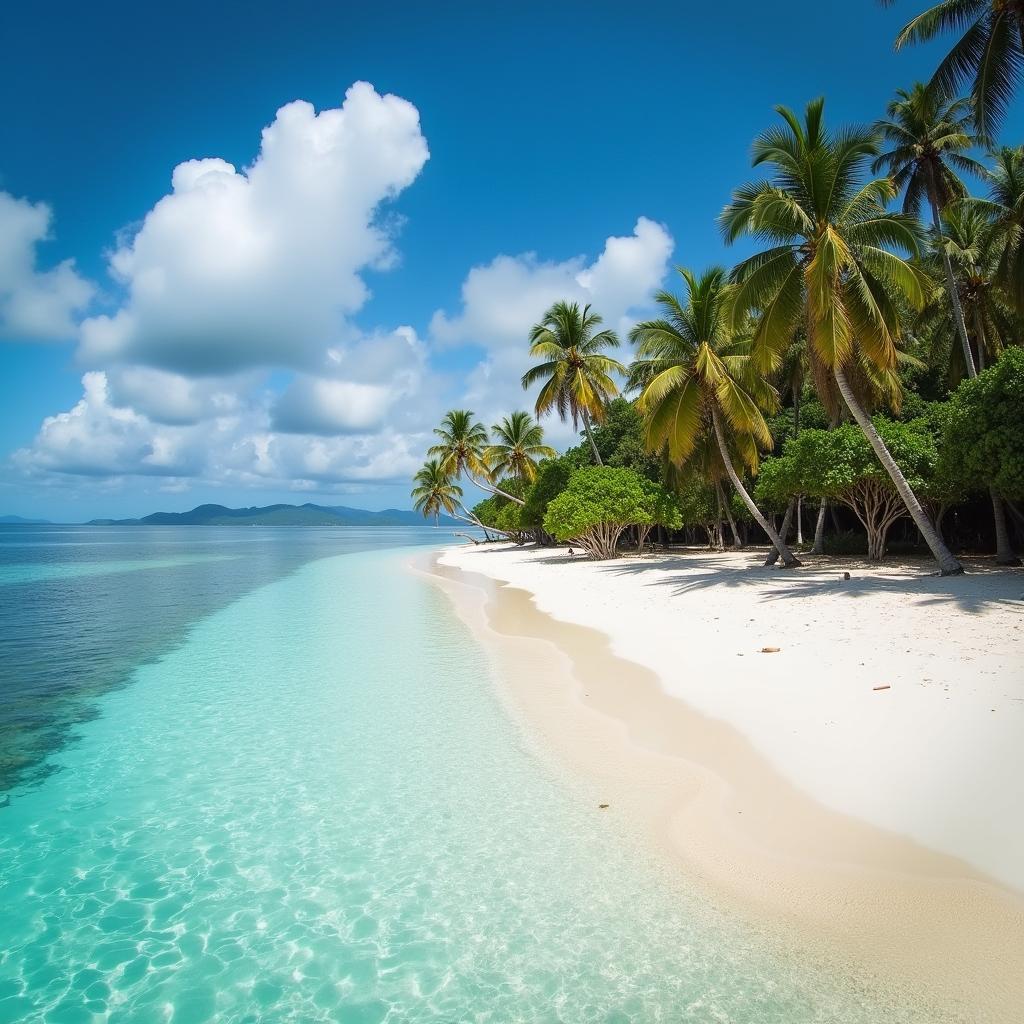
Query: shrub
(600, 502)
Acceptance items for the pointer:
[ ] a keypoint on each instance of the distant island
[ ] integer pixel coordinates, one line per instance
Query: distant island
(22, 521)
(276, 515)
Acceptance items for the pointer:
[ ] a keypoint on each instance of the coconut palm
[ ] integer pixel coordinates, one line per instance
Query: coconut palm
(1005, 207)
(696, 376)
(989, 53)
(461, 450)
(927, 138)
(435, 491)
(519, 447)
(830, 266)
(576, 375)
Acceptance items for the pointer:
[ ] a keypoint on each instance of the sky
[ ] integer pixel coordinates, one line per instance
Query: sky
(251, 253)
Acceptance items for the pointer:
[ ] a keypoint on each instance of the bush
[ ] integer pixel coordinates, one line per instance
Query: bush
(600, 502)
(982, 442)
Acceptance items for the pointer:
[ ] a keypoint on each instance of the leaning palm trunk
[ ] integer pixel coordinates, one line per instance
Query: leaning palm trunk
(819, 529)
(494, 489)
(736, 542)
(954, 293)
(948, 565)
(773, 556)
(788, 558)
(590, 438)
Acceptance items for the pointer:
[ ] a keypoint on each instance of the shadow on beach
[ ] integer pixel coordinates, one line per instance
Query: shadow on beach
(689, 570)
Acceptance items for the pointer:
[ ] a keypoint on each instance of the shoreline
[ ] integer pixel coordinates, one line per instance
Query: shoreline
(875, 903)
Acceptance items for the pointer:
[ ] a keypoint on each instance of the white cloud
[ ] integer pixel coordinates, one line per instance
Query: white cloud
(502, 300)
(36, 305)
(260, 266)
(171, 398)
(97, 438)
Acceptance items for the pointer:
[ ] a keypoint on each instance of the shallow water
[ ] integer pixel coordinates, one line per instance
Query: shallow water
(312, 807)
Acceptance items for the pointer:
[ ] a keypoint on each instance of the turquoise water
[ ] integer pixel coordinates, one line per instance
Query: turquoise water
(312, 808)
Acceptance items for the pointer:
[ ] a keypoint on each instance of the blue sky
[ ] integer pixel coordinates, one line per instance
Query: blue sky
(551, 129)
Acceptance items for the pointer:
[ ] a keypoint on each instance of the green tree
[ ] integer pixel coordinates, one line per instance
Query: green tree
(830, 266)
(927, 138)
(841, 464)
(552, 478)
(576, 376)
(983, 437)
(696, 376)
(989, 53)
(435, 491)
(518, 447)
(601, 502)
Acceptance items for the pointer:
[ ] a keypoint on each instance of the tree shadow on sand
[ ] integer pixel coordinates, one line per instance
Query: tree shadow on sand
(985, 584)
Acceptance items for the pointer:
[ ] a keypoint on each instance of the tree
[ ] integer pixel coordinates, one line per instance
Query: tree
(576, 376)
(502, 514)
(1005, 207)
(600, 502)
(696, 376)
(841, 464)
(435, 491)
(983, 437)
(830, 266)
(519, 447)
(927, 138)
(552, 478)
(990, 52)
(461, 450)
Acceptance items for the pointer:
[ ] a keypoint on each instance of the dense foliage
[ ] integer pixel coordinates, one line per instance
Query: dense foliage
(864, 363)
(601, 502)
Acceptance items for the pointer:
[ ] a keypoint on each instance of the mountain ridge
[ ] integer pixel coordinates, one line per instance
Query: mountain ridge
(275, 515)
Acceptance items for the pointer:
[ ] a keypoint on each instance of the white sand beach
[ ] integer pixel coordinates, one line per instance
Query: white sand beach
(864, 783)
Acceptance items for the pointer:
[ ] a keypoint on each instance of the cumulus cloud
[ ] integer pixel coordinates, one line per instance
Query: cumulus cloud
(35, 305)
(171, 398)
(261, 266)
(97, 438)
(101, 439)
(502, 300)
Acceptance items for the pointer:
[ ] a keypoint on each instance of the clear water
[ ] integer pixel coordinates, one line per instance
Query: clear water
(310, 807)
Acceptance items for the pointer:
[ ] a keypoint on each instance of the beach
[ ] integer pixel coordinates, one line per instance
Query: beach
(857, 790)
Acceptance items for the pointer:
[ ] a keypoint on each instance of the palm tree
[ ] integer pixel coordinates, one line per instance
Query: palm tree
(928, 137)
(830, 266)
(435, 491)
(990, 52)
(461, 450)
(972, 244)
(577, 377)
(697, 377)
(1005, 206)
(520, 446)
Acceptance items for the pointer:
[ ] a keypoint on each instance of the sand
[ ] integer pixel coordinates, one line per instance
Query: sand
(881, 827)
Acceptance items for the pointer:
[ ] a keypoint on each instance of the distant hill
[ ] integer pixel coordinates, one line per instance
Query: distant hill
(20, 521)
(276, 515)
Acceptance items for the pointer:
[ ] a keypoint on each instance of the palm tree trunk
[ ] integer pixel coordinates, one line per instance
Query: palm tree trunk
(788, 558)
(773, 556)
(494, 489)
(948, 565)
(736, 542)
(1004, 549)
(819, 530)
(954, 294)
(590, 438)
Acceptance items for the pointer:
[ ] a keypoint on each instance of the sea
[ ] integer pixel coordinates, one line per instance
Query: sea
(255, 774)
